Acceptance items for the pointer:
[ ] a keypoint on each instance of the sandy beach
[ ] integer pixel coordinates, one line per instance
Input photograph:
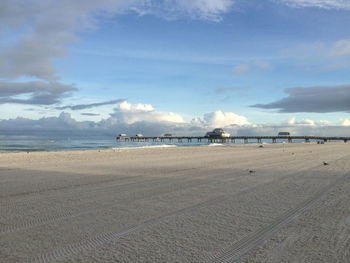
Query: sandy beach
(241, 203)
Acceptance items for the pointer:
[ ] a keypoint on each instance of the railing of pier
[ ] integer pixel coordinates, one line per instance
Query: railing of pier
(245, 139)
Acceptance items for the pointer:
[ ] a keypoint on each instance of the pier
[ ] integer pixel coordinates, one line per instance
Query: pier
(232, 139)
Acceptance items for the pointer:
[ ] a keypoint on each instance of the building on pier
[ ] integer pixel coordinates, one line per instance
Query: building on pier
(284, 134)
(217, 133)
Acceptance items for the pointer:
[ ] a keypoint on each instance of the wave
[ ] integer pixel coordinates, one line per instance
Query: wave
(215, 144)
(149, 146)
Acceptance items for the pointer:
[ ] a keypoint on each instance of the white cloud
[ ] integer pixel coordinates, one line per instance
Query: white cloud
(324, 123)
(125, 106)
(196, 9)
(320, 50)
(131, 113)
(292, 121)
(248, 67)
(332, 67)
(223, 119)
(262, 65)
(306, 122)
(325, 4)
(340, 48)
(320, 57)
(241, 69)
(345, 122)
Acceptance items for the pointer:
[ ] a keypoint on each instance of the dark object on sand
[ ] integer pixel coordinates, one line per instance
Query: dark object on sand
(325, 163)
(261, 146)
(251, 171)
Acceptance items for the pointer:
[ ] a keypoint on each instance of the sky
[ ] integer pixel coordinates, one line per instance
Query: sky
(175, 66)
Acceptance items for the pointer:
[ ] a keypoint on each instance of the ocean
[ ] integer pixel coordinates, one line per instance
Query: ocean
(15, 143)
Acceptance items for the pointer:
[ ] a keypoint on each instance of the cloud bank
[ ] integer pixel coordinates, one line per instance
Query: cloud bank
(143, 118)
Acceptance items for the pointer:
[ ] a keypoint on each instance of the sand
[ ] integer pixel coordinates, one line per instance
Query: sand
(241, 203)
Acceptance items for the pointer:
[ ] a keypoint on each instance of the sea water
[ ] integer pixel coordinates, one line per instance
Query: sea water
(15, 143)
(32, 143)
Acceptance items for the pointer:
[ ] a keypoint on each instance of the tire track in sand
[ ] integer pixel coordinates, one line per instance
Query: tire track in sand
(87, 244)
(100, 240)
(66, 251)
(38, 193)
(74, 187)
(252, 242)
(27, 224)
(15, 204)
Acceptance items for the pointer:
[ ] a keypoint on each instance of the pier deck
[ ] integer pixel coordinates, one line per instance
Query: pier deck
(257, 139)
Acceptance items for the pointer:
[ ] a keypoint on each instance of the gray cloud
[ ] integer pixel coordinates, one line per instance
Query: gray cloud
(12, 15)
(320, 99)
(47, 26)
(43, 28)
(89, 114)
(36, 49)
(89, 106)
(36, 92)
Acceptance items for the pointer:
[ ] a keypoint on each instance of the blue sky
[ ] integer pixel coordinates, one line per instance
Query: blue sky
(247, 58)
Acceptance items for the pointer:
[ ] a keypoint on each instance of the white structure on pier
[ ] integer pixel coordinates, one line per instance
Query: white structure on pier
(218, 132)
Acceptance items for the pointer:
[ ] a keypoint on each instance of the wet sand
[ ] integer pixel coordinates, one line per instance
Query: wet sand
(242, 203)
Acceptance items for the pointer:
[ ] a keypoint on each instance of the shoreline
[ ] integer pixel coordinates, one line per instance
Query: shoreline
(162, 146)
